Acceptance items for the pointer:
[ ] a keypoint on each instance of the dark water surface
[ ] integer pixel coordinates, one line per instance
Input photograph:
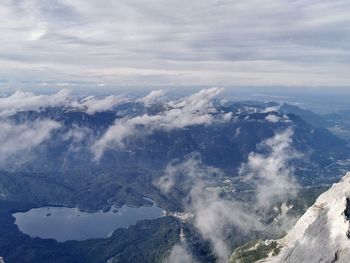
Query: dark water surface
(63, 223)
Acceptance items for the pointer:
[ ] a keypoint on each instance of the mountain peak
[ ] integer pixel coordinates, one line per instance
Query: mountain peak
(322, 233)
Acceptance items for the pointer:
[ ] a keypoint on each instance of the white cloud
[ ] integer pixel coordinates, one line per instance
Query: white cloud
(152, 97)
(196, 109)
(38, 32)
(78, 137)
(179, 254)
(273, 118)
(26, 101)
(19, 140)
(269, 173)
(212, 214)
(137, 42)
(93, 105)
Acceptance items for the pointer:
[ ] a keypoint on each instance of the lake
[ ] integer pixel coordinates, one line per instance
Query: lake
(64, 223)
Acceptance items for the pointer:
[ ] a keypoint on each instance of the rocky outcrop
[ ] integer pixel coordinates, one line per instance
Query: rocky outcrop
(322, 233)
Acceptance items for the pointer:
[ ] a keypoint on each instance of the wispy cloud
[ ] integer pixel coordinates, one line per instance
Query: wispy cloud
(179, 254)
(26, 101)
(196, 109)
(269, 173)
(29, 101)
(79, 137)
(152, 97)
(92, 105)
(137, 42)
(213, 215)
(20, 140)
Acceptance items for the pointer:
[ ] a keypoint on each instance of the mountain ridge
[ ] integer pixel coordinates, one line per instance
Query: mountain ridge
(322, 233)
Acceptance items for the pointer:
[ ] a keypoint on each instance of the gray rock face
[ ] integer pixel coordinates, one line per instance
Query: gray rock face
(322, 233)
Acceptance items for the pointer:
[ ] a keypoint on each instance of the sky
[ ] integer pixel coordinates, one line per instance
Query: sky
(173, 43)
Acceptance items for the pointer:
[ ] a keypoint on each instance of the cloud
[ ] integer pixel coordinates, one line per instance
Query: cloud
(179, 254)
(213, 215)
(274, 118)
(269, 173)
(285, 43)
(152, 97)
(27, 101)
(20, 140)
(196, 109)
(78, 137)
(92, 105)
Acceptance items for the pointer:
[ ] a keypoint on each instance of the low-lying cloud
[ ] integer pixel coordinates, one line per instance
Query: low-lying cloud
(196, 109)
(20, 140)
(269, 173)
(179, 254)
(27, 101)
(92, 105)
(213, 215)
(152, 97)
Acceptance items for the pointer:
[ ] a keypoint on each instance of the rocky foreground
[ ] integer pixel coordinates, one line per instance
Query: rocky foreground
(322, 234)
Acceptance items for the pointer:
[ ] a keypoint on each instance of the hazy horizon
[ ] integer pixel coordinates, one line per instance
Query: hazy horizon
(136, 43)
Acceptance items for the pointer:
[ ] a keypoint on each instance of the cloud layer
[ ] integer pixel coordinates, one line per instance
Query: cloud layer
(196, 109)
(29, 101)
(26, 101)
(138, 42)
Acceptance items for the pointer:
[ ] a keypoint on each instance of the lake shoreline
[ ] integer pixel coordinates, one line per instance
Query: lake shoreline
(63, 223)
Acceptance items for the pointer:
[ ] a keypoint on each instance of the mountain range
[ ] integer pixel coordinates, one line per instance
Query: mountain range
(251, 167)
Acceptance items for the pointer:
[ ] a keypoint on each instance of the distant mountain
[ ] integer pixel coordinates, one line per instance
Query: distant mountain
(314, 119)
(62, 170)
(339, 123)
(223, 144)
(98, 157)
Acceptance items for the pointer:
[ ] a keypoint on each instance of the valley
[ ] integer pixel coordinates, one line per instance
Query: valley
(220, 161)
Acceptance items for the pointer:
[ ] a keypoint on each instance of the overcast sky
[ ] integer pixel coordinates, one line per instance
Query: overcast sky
(174, 42)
